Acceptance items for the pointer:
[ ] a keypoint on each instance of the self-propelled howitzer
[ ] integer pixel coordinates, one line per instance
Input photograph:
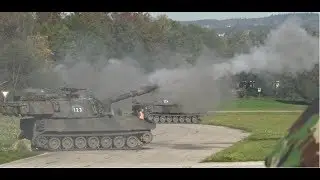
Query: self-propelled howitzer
(73, 119)
(166, 112)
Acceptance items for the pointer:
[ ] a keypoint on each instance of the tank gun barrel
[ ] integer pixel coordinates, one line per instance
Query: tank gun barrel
(143, 90)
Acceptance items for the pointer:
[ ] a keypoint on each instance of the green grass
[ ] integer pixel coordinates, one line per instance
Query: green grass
(10, 147)
(265, 128)
(259, 104)
(9, 156)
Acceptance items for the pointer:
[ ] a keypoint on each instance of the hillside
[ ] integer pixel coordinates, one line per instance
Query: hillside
(309, 20)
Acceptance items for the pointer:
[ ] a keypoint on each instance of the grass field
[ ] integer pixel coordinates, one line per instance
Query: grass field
(265, 128)
(10, 148)
(259, 104)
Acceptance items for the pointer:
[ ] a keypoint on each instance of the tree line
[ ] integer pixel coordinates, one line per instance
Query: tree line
(39, 40)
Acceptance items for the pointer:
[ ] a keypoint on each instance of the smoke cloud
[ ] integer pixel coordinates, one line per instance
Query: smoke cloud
(287, 49)
(201, 87)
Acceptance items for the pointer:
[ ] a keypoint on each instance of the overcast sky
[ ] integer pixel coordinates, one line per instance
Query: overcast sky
(187, 16)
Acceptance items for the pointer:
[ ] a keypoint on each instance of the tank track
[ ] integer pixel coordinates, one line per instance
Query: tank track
(174, 118)
(98, 141)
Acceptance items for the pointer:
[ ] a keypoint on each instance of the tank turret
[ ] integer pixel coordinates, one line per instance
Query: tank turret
(74, 119)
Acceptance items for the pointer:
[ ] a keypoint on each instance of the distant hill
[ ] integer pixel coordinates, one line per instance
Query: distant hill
(309, 20)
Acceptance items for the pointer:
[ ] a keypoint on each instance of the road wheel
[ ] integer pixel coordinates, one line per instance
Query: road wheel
(150, 117)
(80, 142)
(163, 119)
(169, 119)
(194, 120)
(156, 119)
(67, 143)
(181, 119)
(93, 142)
(42, 141)
(175, 119)
(147, 137)
(54, 143)
(119, 142)
(106, 142)
(188, 120)
(132, 142)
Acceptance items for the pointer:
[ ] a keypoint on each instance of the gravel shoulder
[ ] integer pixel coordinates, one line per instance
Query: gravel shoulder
(174, 145)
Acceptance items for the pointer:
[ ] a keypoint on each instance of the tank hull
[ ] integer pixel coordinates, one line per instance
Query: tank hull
(167, 114)
(127, 132)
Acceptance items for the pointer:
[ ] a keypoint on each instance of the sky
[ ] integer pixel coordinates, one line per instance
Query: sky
(188, 16)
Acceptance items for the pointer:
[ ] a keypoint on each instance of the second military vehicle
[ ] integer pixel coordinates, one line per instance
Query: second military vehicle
(73, 119)
(166, 112)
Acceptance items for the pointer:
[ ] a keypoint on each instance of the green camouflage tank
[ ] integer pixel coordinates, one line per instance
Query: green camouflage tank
(300, 148)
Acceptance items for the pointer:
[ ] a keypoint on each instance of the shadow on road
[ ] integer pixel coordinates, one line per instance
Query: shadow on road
(202, 146)
(294, 102)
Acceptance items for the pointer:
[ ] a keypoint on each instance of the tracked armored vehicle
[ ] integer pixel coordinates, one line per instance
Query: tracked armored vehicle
(165, 112)
(73, 119)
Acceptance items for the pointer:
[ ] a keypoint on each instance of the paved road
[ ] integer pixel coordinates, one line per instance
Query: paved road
(173, 146)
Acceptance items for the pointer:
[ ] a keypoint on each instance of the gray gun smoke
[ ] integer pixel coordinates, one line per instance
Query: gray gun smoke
(201, 87)
(287, 49)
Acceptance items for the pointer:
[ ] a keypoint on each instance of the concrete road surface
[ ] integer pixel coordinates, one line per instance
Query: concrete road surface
(174, 145)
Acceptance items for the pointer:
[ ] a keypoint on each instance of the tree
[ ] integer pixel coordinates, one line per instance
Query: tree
(22, 51)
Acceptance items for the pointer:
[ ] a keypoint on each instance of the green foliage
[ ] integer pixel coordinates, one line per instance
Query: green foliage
(10, 147)
(265, 128)
(9, 156)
